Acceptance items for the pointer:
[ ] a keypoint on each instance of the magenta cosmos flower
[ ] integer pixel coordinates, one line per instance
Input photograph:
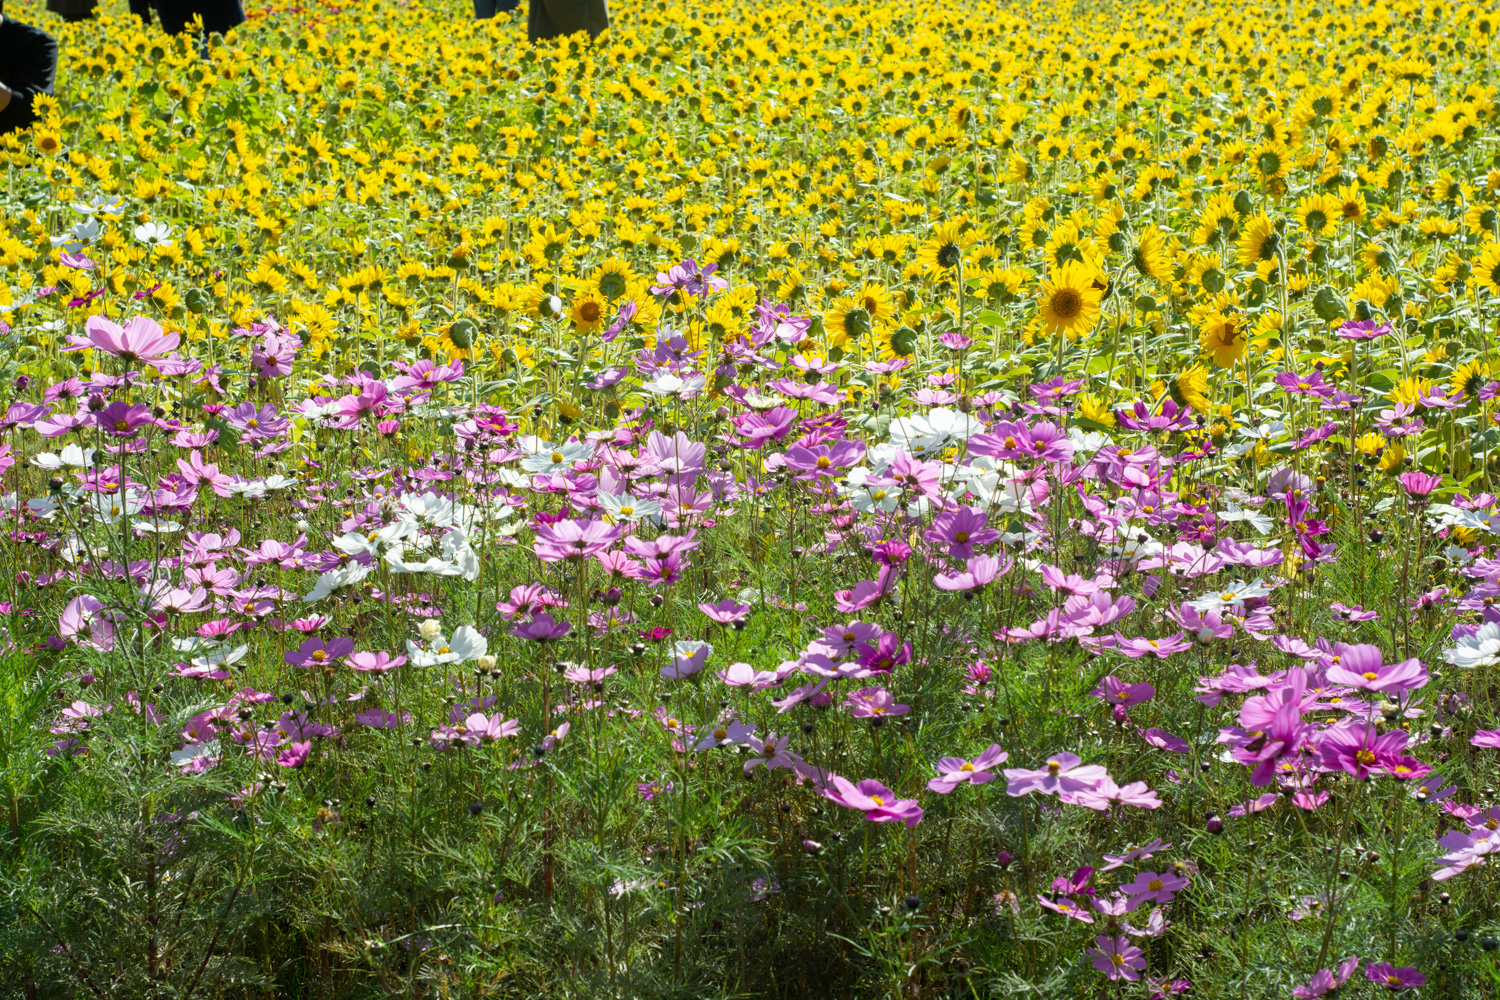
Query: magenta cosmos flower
(877, 802)
(1359, 751)
(574, 540)
(141, 339)
(316, 653)
(1117, 958)
(1364, 329)
(979, 571)
(955, 771)
(122, 419)
(1393, 978)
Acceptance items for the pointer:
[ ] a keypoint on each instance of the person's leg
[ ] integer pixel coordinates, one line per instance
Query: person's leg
(484, 9)
(86, 15)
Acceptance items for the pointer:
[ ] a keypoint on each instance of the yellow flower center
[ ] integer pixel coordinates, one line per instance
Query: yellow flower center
(1154, 885)
(252, 423)
(557, 458)
(1053, 767)
(1370, 675)
(824, 462)
(877, 800)
(1365, 757)
(967, 766)
(319, 656)
(627, 511)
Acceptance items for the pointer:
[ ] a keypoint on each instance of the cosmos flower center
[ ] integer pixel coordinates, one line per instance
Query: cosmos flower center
(878, 495)
(1393, 980)
(967, 766)
(627, 511)
(557, 458)
(850, 636)
(1370, 675)
(1154, 885)
(252, 423)
(721, 733)
(960, 536)
(319, 656)
(824, 462)
(122, 425)
(444, 650)
(1054, 767)
(1226, 597)
(877, 800)
(1365, 757)
(1117, 959)
(1010, 442)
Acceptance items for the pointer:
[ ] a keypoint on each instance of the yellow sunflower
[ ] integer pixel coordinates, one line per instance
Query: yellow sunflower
(1068, 302)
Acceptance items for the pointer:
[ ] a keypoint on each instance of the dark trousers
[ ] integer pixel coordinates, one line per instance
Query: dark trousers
(486, 9)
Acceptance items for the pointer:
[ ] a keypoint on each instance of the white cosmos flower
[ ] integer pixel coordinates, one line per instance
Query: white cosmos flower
(372, 542)
(71, 455)
(1482, 649)
(625, 507)
(466, 644)
(1260, 522)
(922, 433)
(427, 507)
(667, 384)
(336, 580)
(1231, 595)
(157, 234)
(545, 459)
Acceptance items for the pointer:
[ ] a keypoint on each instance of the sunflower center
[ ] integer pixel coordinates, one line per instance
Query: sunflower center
(1067, 303)
(589, 312)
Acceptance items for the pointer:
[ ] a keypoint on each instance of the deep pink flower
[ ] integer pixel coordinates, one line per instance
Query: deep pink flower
(1393, 978)
(877, 802)
(1324, 982)
(1153, 887)
(1362, 666)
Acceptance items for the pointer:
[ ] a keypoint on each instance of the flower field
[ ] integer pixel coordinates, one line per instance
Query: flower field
(893, 500)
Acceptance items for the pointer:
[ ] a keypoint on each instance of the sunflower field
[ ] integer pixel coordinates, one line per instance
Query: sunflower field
(782, 500)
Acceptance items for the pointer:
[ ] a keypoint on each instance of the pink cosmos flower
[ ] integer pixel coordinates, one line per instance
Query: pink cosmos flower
(955, 771)
(1362, 666)
(1106, 793)
(1114, 691)
(1067, 908)
(1154, 887)
(86, 623)
(294, 754)
(377, 718)
(1324, 982)
(1159, 648)
(542, 628)
(979, 571)
(378, 662)
(141, 339)
(873, 703)
(1064, 772)
(688, 657)
(1117, 958)
(725, 612)
(877, 802)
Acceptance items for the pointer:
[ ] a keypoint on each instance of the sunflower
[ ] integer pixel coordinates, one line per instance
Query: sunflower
(613, 279)
(588, 311)
(1317, 212)
(945, 248)
(1191, 389)
(846, 321)
(1272, 160)
(1352, 206)
(875, 300)
(1487, 267)
(1218, 218)
(1259, 241)
(1068, 302)
(1152, 257)
(1223, 339)
(1470, 377)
